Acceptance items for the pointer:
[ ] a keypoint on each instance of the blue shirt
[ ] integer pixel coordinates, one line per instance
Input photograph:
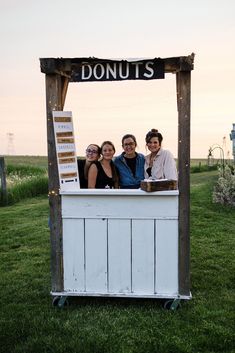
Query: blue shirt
(127, 179)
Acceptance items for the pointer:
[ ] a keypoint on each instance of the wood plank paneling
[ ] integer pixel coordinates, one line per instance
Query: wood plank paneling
(96, 255)
(119, 255)
(166, 257)
(112, 206)
(143, 256)
(73, 254)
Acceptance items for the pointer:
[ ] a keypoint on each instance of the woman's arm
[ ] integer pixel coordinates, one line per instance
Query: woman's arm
(170, 171)
(92, 175)
(86, 169)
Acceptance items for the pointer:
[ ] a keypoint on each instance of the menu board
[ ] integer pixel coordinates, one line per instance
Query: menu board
(66, 151)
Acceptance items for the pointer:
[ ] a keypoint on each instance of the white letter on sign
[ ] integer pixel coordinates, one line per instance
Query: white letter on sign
(113, 71)
(136, 69)
(120, 70)
(101, 71)
(89, 72)
(147, 67)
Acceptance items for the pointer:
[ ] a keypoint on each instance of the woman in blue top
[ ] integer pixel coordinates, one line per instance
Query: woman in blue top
(130, 164)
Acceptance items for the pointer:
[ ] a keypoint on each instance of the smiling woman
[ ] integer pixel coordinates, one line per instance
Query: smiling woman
(92, 155)
(159, 164)
(130, 164)
(102, 174)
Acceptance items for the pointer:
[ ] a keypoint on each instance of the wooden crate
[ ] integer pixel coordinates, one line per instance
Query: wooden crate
(158, 185)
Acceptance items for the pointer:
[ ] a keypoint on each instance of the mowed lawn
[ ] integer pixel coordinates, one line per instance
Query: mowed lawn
(30, 324)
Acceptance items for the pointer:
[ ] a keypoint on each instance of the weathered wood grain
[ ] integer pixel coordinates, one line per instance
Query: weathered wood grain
(183, 80)
(54, 102)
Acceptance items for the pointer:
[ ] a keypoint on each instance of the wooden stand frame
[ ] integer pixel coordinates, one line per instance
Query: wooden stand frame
(58, 74)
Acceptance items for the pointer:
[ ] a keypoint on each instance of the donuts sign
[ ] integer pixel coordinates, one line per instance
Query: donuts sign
(119, 70)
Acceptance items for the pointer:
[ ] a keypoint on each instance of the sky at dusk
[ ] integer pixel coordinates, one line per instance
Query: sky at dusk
(30, 30)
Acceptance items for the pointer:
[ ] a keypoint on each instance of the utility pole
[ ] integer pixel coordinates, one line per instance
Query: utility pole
(10, 144)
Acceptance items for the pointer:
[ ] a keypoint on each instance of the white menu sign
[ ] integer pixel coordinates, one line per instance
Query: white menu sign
(66, 151)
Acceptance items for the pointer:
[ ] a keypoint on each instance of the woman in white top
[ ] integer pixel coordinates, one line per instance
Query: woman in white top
(159, 164)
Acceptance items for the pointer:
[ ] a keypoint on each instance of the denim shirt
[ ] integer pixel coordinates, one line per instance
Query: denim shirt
(127, 179)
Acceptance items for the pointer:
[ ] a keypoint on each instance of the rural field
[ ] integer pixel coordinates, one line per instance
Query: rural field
(36, 161)
(30, 324)
(41, 161)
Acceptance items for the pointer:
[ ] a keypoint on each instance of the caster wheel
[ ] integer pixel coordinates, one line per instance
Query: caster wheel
(60, 302)
(172, 304)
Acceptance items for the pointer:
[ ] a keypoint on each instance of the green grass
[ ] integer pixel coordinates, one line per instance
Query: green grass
(25, 169)
(29, 323)
(23, 181)
(37, 185)
(37, 161)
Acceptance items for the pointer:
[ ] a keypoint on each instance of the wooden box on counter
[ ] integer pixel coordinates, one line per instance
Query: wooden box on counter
(158, 185)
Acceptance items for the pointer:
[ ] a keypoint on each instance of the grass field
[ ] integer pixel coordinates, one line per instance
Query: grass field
(41, 161)
(23, 181)
(36, 161)
(29, 323)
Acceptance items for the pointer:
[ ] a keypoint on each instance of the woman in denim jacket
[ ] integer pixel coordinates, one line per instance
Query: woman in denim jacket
(130, 164)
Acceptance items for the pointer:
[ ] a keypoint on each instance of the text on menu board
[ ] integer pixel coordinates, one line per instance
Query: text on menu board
(66, 151)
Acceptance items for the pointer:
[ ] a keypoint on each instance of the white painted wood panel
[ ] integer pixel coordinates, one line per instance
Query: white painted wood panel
(114, 206)
(122, 192)
(119, 256)
(96, 255)
(143, 256)
(167, 256)
(73, 254)
(120, 245)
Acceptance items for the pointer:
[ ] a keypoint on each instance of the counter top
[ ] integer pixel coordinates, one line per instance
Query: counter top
(118, 192)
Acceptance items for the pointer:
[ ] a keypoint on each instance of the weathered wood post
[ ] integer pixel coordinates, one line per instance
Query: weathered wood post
(183, 84)
(56, 89)
(3, 181)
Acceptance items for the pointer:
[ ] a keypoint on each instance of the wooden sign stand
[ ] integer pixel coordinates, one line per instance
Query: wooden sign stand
(59, 73)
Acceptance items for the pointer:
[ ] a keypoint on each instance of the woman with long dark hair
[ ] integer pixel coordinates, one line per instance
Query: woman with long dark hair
(92, 155)
(103, 174)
